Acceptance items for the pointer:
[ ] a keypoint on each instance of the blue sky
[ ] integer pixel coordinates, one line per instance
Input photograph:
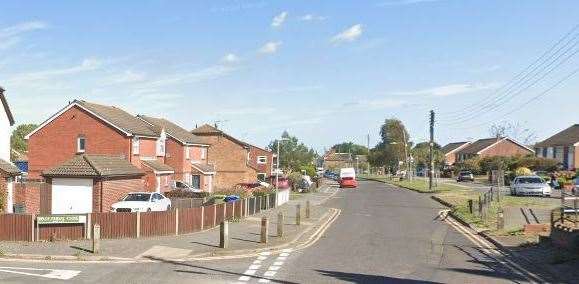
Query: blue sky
(327, 71)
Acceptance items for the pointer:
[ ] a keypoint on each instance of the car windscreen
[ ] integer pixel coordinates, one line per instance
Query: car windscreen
(527, 180)
(137, 197)
(465, 174)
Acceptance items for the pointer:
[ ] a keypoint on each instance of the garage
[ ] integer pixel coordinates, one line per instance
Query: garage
(71, 196)
(91, 183)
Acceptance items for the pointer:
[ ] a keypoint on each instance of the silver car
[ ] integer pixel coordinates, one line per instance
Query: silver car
(530, 185)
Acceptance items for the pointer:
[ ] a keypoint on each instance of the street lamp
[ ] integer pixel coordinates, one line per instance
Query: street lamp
(405, 155)
(277, 163)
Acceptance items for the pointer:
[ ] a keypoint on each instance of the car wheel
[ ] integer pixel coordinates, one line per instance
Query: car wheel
(148, 209)
(168, 207)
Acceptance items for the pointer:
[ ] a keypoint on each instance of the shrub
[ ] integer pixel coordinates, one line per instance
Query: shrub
(236, 190)
(310, 170)
(522, 171)
(295, 179)
(179, 193)
(262, 191)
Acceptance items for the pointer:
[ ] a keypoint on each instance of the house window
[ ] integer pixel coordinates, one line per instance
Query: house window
(261, 176)
(262, 159)
(161, 144)
(136, 145)
(203, 153)
(80, 144)
(187, 153)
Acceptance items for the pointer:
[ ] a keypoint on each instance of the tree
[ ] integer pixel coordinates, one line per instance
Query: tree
(421, 154)
(293, 155)
(350, 147)
(390, 151)
(513, 130)
(17, 141)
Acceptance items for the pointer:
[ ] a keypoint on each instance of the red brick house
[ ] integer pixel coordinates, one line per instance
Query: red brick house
(186, 154)
(91, 183)
(230, 157)
(261, 160)
(563, 147)
(491, 147)
(8, 171)
(87, 128)
(450, 151)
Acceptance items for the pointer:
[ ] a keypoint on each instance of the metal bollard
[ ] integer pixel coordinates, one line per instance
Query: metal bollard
(280, 223)
(500, 221)
(308, 209)
(96, 239)
(264, 230)
(470, 206)
(224, 234)
(298, 214)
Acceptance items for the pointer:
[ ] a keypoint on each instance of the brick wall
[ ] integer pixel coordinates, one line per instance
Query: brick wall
(450, 158)
(3, 192)
(112, 191)
(505, 148)
(57, 141)
(175, 158)
(261, 168)
(29, 195)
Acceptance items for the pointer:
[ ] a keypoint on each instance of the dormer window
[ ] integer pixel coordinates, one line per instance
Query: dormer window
(136, 145)
(80, 144)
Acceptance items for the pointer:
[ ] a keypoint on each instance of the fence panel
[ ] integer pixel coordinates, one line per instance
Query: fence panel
(187, 202)
(209, 216)
(189, 220)
(251, 205)
(258, 204)
(220, 213)
(16, 227)
(272, 199)
(116, 225)
(229, 210)
(158, 223)
(61, 232)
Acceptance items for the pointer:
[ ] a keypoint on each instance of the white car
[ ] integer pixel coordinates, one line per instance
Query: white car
(530, 185)
(142, 202)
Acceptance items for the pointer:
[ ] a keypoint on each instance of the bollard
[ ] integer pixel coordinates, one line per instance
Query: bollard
(500, 220)
(298, 214)
(264, 230)
(96, 238)
(470, 206)
(224, 235)
(308, 209)
(280, 224)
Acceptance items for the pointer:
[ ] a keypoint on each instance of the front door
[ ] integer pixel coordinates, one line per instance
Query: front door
(196, 181)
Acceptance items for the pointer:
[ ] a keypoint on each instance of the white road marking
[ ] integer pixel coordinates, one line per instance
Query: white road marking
(273, 268)
(249, 272)
(60, 274)
(256, 261)
(265, 253)
(284, 254)
(269, 273)
(244, 278)
(286, 250)
(282, 258)
(261, 257)
(254, 266)
(278, 263)
(263, 281)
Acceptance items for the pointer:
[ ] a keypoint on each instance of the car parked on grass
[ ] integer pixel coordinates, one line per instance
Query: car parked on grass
(465, 176)
(530, 185)
(142, 202)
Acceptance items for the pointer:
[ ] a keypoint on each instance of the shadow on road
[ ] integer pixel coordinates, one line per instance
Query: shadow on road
(211, 269)
(204, 244)
(365, 278)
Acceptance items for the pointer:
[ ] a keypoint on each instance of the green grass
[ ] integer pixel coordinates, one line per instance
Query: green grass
(419, 185)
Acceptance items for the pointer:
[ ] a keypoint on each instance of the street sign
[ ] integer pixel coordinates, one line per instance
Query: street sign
(61, 219)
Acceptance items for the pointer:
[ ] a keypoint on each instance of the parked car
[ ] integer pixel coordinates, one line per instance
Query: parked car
(465, 176)
(181, 185)
(348, 178)
(530, 185)
(142, 202)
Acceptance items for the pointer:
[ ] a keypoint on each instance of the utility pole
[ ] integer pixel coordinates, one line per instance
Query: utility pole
(431, 151)
(368, 157)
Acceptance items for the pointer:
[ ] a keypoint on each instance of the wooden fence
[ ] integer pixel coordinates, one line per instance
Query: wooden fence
(187, 202)
(21, 227)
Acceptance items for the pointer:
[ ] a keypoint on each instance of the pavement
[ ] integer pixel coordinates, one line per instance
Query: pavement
(383, 234)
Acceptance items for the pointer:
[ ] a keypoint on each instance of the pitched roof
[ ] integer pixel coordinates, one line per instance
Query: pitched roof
(177, 132)
(452, 146)
(569, 136)
(9, 168)
(338, 157)
(120, 119)
(6, 107)
(478, 145)
(208, 130)
(94, 166)
(204, 168)
(157, 166)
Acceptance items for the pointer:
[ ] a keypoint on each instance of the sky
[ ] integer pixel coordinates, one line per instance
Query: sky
(325, 71)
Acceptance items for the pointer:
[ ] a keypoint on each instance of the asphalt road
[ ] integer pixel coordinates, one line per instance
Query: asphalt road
(382, 235)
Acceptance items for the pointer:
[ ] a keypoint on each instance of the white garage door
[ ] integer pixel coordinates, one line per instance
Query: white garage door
(71, 196)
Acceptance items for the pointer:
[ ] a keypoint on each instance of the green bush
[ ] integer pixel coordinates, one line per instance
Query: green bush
(295, 179)
(522, 171)
(310, 170)
(179, 193)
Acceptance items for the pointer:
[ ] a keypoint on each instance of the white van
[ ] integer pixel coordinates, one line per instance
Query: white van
(348, 172)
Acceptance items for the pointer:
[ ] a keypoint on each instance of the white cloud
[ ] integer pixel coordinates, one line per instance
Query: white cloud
(204, 74)
(270, 47)
(404, 2)
(452, 89)
(230, 58)
(279, 19)
(312, 17)
(349, 34)
(87, 64)
(247, 111)
(11, 36)
(128, 76)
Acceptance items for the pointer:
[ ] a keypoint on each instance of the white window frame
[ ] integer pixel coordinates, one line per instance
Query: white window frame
(78, 149)
(136, 145)
(187, 152)
(262, 174)
(260, 158)
(203, 153)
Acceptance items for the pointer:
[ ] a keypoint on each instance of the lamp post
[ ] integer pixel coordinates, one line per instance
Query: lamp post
(277, 163)
(406, 164)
